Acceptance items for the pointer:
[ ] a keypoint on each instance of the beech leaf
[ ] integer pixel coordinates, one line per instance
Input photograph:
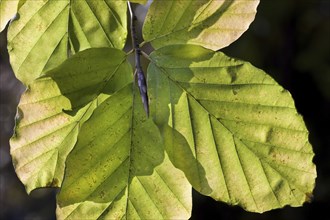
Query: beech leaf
(49, 119)
(139, 1)
(209, 23)
(8, 9)
(119, 169)
(231, 128)
(38, 40)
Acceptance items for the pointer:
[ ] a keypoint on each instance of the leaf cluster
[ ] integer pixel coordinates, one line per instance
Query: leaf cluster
(217, 124)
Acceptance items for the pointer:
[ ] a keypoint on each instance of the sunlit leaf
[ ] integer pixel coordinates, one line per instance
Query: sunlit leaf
(211, 24)
(40, 38)
(231, 128)
(45, 133)
(8, 9)
(219, 123)
(139, 1)
(119, 169)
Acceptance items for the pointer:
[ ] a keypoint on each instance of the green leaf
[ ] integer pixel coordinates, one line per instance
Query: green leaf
(246, 143)
(8, 9)
(40, 38)
(119, 169)
(87, 74)
(211, 24)
(44, 133)
(139, 1)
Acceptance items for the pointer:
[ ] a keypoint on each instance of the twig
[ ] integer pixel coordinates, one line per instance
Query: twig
(139, 75)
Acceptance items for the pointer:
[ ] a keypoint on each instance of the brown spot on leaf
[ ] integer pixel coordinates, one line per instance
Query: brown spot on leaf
(309, 197)
(102, 194)
(55, 183)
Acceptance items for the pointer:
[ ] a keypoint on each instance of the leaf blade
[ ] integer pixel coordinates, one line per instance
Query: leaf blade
(248, 144)
(143, 2)
(54, 108)
(8, 9)
(128, 175)
(89, 73)
(208, 23)
(44, 136)
(39, 40)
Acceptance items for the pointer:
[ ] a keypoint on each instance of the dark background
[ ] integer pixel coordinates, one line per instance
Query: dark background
(290, 40)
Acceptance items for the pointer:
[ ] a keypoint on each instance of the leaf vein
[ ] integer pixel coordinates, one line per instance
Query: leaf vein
(99, 23)
(114, 14)
(171, 191)
(43, 137)
(244, 172)
(219, 158)
(36, 43)
(194, 139)
(147, 193)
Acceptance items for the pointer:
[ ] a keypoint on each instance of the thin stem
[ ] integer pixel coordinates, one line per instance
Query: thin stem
(130, 52)
(145, 55)
(138, 69)
(143, 43)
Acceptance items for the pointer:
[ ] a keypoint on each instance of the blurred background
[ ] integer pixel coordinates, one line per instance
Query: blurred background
(289, 39)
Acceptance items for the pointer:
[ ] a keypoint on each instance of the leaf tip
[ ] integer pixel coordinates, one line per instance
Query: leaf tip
(309, 197)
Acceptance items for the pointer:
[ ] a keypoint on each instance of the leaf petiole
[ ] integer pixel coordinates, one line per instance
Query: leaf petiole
(145, 55)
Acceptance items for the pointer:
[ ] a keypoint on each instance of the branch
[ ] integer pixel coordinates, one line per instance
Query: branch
(139, 75)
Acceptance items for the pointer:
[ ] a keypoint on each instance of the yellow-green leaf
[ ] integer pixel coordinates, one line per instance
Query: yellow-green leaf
(8, 9)
(39, 39)
(209, 23)
(231, 128)
(45, 133)
(139, 1)
(119, 169)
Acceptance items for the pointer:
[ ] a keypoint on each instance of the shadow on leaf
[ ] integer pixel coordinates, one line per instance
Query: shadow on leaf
(90, 73)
